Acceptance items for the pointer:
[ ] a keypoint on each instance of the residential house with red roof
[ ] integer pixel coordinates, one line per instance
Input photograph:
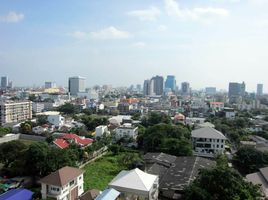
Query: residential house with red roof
(66, 139)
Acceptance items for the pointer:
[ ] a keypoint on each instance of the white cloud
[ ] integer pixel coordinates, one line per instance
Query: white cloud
(145, 15)
(79, 35)
(12, 17)
(205, 14)
(161, 28)
(110, 33)
(139, 44)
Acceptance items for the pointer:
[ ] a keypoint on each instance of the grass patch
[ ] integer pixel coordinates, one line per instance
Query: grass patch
(100, 172)
(27, 142)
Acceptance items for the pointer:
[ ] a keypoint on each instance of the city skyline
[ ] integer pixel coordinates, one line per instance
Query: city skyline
(206, 43)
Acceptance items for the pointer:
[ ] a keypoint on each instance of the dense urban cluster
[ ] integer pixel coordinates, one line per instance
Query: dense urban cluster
(156, 141)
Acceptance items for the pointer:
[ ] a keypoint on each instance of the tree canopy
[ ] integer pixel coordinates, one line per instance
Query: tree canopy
(221, 183)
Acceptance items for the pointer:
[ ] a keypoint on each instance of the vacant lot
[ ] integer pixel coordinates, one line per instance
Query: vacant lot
(100, 172)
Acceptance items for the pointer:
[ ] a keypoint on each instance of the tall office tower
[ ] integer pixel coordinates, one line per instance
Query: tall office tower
(158, 85)
(236, 91)
(49, 84)
(259, 89)
(170, 83)
(4, 82)
(211, 90)
(146, 88)
(185, 88)
(76, 85)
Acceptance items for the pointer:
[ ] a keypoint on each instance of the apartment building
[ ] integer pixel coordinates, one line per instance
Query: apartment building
(63, 184)
(208, 140)
(15, 111)
(126, 131)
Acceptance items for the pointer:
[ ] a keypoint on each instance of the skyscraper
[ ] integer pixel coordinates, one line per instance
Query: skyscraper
(76, 85)
(170, 83)
(4, 82)
(146, 87)
(49, 84)
(236, 91)
(185, 88)
(259, 89)
(158, 82)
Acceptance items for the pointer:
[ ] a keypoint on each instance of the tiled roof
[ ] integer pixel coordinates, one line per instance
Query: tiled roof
(61, 143)
(207, 132)
(62, 176)
(82, 142)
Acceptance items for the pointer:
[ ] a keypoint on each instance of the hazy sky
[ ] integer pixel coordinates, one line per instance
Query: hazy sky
(123, 42)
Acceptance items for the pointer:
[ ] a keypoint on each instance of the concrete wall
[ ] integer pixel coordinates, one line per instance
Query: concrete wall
(21, 136)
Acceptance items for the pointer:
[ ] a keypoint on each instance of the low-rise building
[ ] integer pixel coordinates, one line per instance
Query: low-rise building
(101, 130)
(65, 140)
(15, 111)
(175, 173)
(63, 184)
(56, 120)
(136, 184)
(260, 178)
(38, 107)
(208, 141)
(126, 131)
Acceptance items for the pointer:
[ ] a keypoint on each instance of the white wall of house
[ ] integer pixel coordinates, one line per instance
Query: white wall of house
(206, 145)
(56, 120)
(100, 130)
(126, 131)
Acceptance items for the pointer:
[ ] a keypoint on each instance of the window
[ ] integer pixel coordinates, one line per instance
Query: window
(221, 146)
(80, 177)
(80, 187)
(71, 183)
(218, 140)
(217, 146)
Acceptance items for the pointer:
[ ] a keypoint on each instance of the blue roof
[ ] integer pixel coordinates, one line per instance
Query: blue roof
(17, 194)
(108, 194)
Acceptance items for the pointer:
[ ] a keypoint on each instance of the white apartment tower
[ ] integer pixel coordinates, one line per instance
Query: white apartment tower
(76, 85)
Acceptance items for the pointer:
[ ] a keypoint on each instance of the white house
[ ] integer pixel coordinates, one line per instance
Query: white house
(126, 131)
(56, 120)
(64, 184)
(229, 113)
(100, 130)
(136, 184)
(208, 140)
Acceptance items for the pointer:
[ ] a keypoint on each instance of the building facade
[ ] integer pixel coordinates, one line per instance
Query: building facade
(170, 83)
(158, 85)
(12, 111)
(76, 85)
(49, 84)
(185, 88)
(259, 89)
(208, 141)
(126, 131)
(64, 184)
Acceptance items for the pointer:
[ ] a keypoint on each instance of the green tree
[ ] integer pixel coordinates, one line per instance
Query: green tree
(220, 184)
(10, 151)
(249, 159)
(26, 127)
(68, 109)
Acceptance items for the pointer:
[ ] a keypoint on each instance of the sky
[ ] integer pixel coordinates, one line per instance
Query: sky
(124, 42)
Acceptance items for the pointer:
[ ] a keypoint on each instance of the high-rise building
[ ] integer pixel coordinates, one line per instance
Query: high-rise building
(170, 83)
(4, 82)
(49, 84)
(259, 89)
(76, 85)
(211, 90)
(236, 91)
(185, 88)
(158, 82)
(146, 87)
